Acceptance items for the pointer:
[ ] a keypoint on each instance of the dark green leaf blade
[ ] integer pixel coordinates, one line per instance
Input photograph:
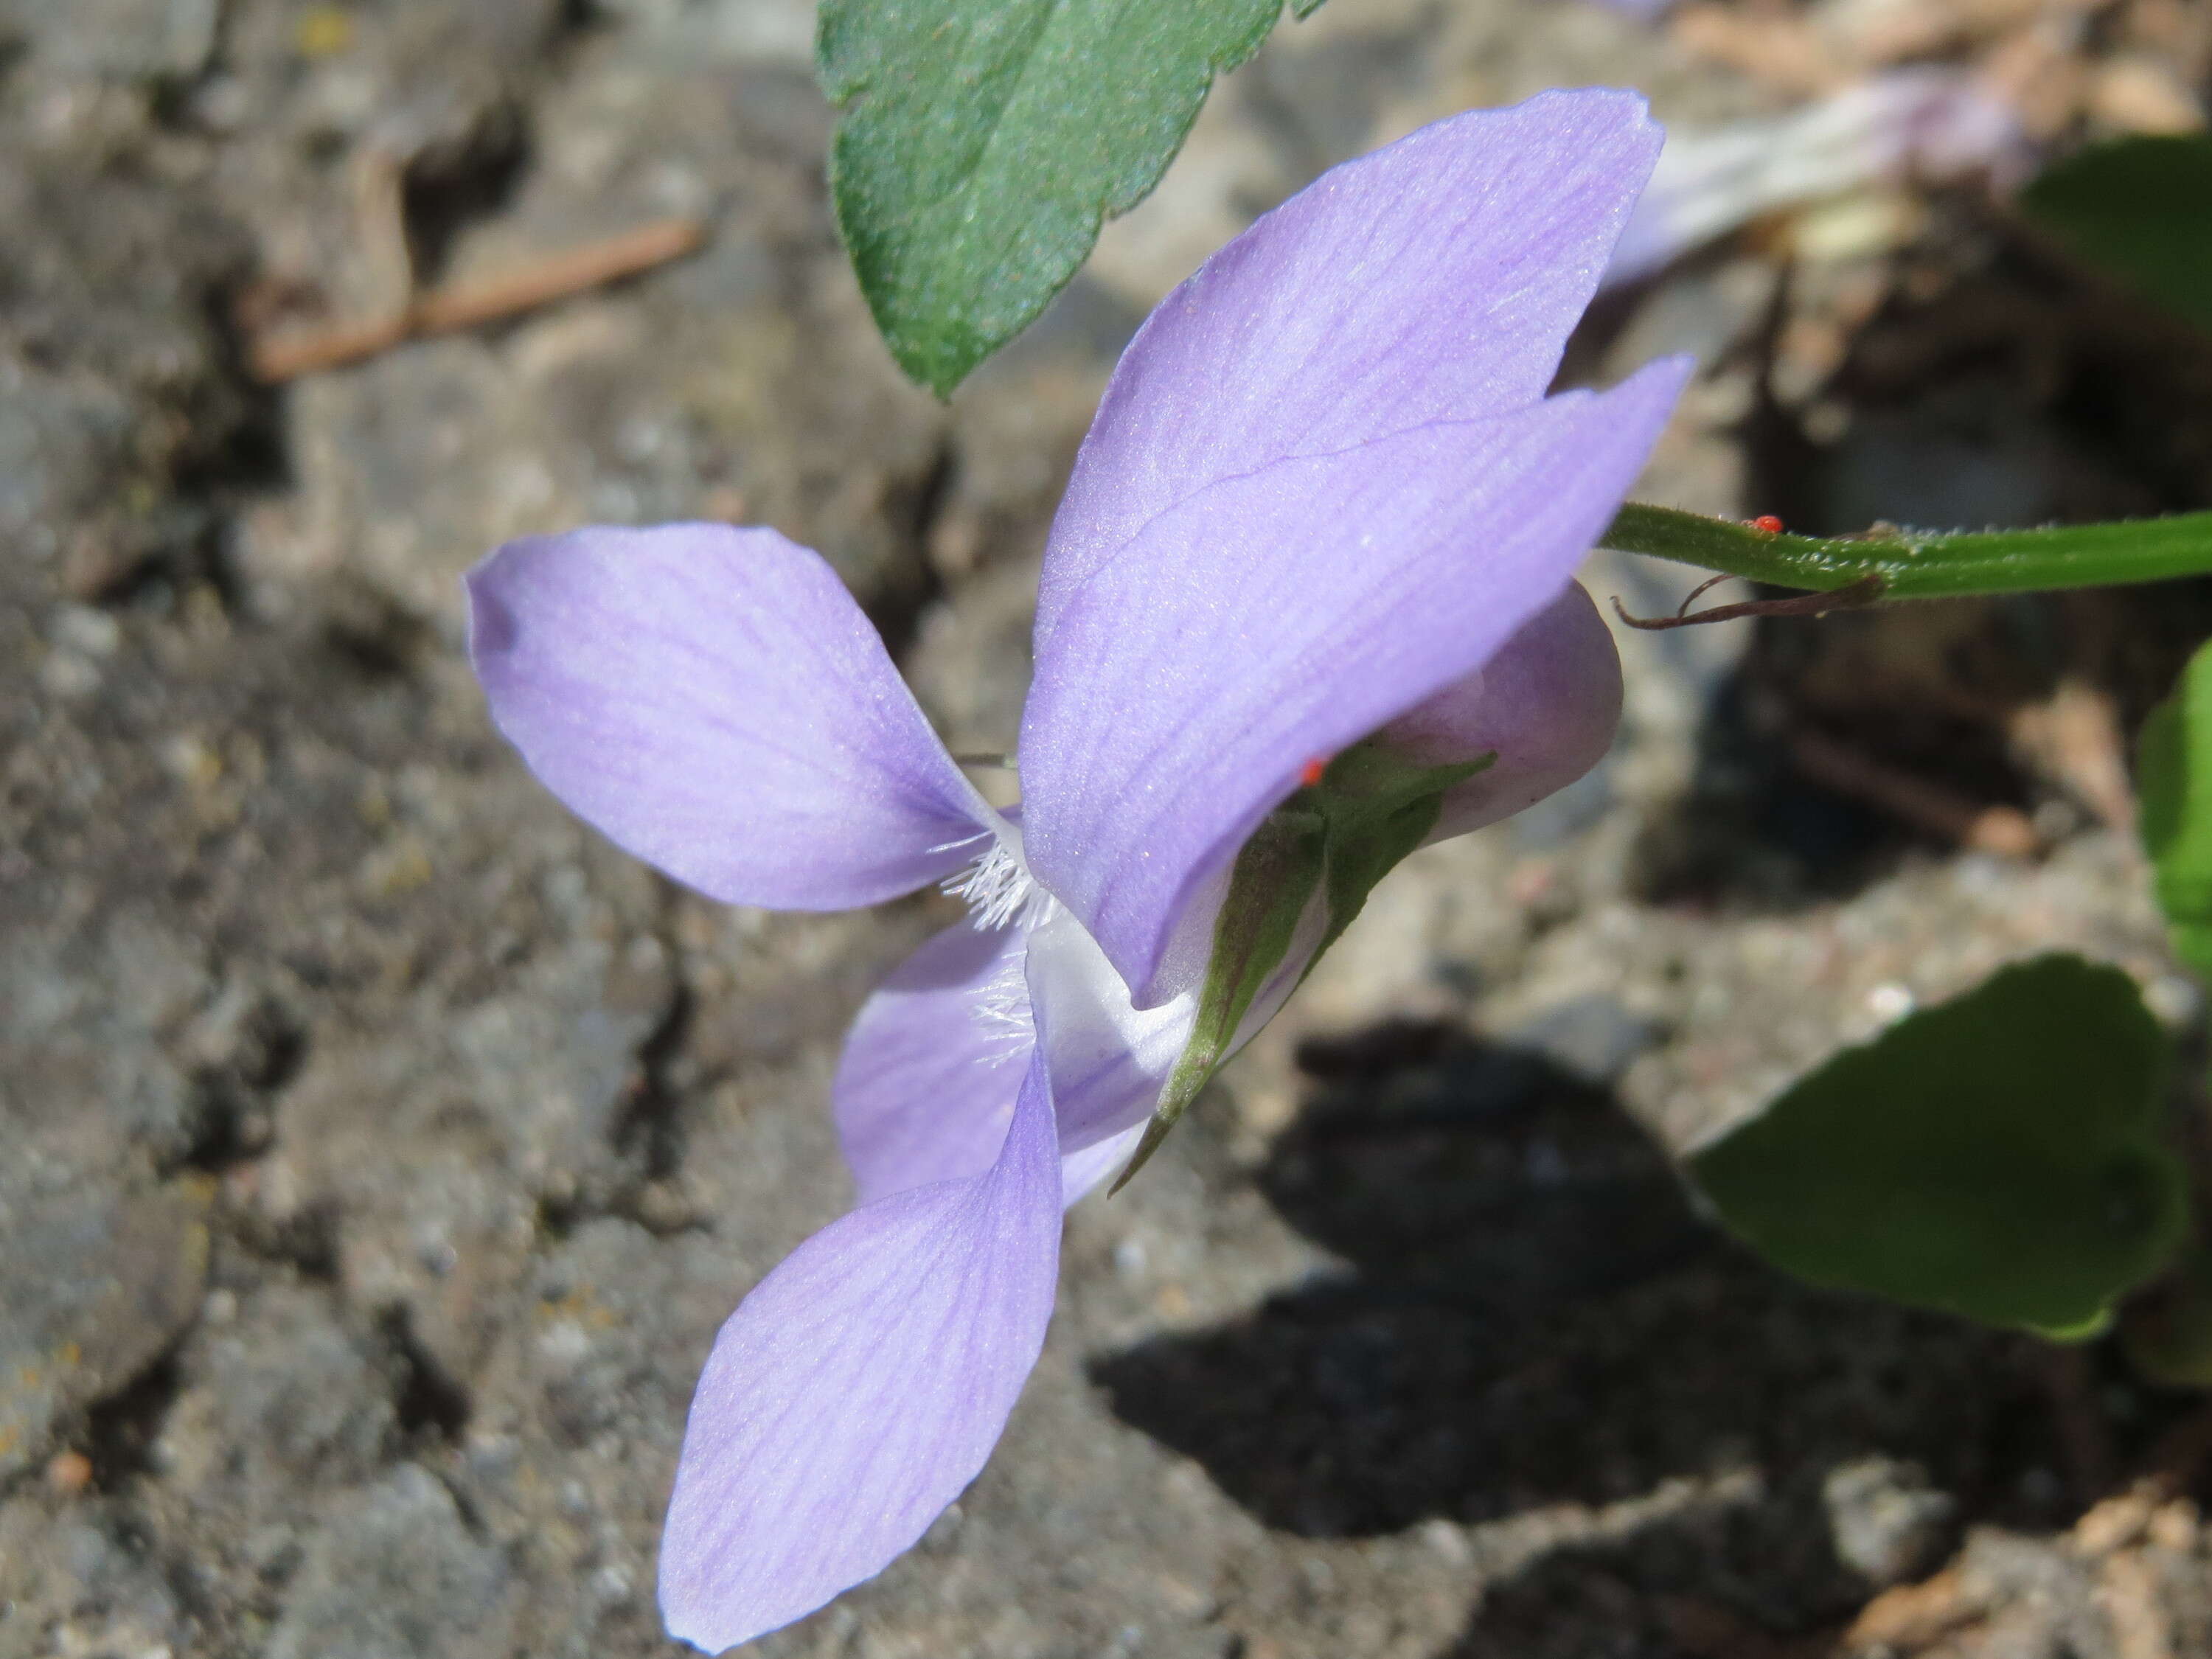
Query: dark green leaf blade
(1997, 1155)
(982, 146)
(2140, 210)
(2174, 777)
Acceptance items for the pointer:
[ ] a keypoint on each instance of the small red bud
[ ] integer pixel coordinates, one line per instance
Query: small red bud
(1767, 523)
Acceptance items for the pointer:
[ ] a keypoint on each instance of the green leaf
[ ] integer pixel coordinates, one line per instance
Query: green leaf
(984, 141)
(2173, 769)
(1915, 565)
(1340, 837)
(1998, 1156)
(2139, 209)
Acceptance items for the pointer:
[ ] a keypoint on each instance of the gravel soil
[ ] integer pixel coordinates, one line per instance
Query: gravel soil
(382, 1149)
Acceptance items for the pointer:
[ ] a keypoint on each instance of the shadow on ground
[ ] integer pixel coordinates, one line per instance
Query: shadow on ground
(1532, 1316)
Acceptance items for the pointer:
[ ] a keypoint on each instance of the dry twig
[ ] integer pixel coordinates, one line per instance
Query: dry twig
(1927, 806)
(471, 305)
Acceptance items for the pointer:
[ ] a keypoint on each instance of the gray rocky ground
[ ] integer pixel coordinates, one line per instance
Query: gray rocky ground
(382, 1150)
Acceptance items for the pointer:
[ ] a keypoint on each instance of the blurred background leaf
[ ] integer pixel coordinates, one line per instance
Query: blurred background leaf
(982, 146)
(2173, 769)
(1998, 1156)
(2139, 209)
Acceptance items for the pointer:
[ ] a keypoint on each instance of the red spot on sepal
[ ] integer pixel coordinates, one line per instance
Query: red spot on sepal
(1767, 523)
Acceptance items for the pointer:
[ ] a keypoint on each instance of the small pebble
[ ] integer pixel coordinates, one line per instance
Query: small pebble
(2174, 999)
(1885, 1522)
(2175, 1526)
(69, 1473)
(1889, 1001)
(81, 628)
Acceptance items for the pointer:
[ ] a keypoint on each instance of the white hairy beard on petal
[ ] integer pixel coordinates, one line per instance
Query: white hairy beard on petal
(997, 887)
(1001, 1008)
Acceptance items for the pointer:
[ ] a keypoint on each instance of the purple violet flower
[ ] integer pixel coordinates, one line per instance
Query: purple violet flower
(1308, 604)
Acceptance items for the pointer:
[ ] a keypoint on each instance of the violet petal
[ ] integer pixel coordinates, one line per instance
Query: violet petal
(713, 699)
(931, 1068)
(1109, 1057)
(1274, 618)
(858, 1389)
(1435, 279)
(926, 1085)
(1546, 705)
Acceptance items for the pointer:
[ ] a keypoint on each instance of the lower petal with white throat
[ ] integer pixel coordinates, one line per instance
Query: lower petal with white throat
(860, 1388)
(926, 1085)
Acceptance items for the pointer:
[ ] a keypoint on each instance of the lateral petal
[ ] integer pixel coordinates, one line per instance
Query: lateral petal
(1274, 618)
(859, 1389)
(713, 699)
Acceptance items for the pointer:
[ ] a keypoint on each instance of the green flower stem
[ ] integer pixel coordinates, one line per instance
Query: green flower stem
(1912, 565)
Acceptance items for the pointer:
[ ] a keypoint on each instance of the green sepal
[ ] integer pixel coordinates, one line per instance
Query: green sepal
(1998, 1156)
(1340, 837)
(1379, 807)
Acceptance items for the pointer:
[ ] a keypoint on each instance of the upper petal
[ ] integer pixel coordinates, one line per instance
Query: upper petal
(858, 1389)
(1274, 618)
(713, 699)
(1435, 279)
